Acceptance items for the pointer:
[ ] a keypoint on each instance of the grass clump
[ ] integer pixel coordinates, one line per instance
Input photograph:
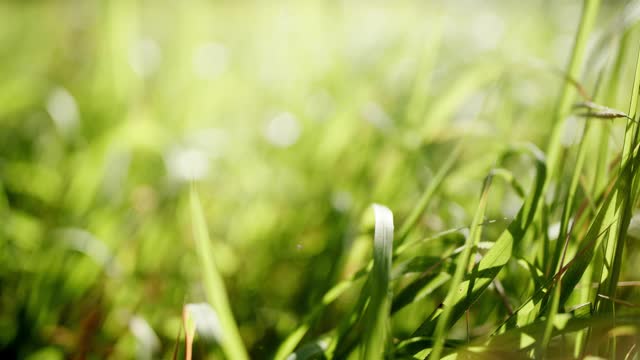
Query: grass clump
(502, 138)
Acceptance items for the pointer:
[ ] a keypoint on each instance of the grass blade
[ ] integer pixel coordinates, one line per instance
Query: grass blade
(377, 317)
(454, 295)
(629, 177)
(215, 290)
(587, 21)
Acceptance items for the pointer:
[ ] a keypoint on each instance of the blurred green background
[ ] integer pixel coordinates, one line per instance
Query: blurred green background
(292, 117)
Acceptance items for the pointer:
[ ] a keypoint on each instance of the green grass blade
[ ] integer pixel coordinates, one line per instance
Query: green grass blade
(598, 227)
(214, 285)
(563, 238)
(377, 317)
(626, 193)
(568, 95)
(454, 295)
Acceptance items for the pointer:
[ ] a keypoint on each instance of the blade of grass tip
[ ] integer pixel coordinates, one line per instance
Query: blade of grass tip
(461, 269)
(424, 200)
(376, 336)
(349, 333)
(231, 342)
(587, 20)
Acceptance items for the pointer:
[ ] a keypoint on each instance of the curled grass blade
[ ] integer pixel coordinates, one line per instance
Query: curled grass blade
(377, 317)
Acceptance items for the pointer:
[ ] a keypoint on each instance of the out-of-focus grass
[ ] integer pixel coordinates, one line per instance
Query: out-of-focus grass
(292, 118)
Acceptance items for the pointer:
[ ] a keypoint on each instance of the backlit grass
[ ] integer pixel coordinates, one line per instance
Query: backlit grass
(321, 179)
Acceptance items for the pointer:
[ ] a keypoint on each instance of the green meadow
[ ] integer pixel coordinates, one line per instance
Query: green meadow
(322, 179)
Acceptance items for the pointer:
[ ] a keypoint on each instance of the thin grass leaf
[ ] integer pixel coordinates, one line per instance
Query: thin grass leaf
(587, 20)
(455, 293)
(370, 315)
(626, 191)
(563, 238)
(215, 290)
(377, 317)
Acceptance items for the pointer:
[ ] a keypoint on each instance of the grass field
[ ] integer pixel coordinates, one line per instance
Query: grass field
(319, 179)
